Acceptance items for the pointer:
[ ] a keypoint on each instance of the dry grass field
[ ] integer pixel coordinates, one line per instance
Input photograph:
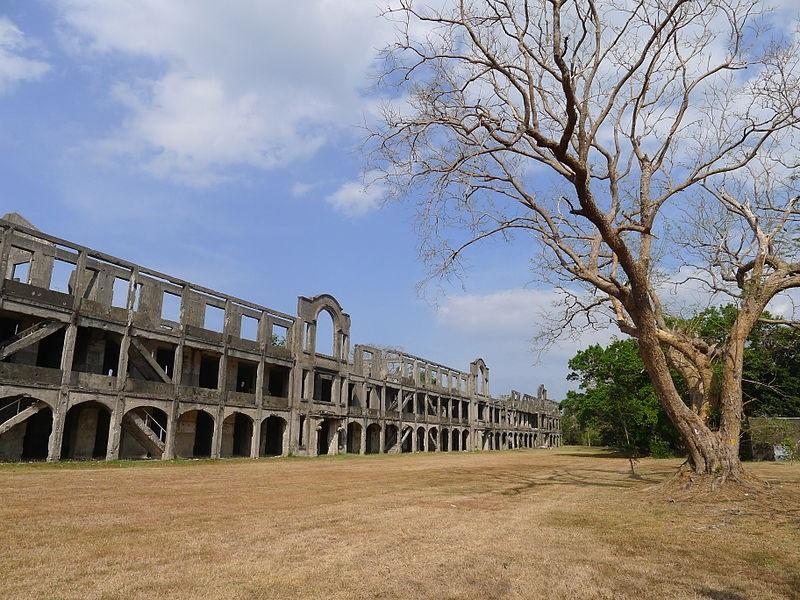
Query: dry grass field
(567, 523)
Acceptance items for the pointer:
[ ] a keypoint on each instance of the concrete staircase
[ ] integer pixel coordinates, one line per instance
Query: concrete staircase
(15, 412)
(147, 431)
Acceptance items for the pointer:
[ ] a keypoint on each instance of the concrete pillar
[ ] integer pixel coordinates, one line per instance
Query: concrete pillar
(382, 439)
(255, 440)
(216, 439)
(60, 412)
(115, 429)
(169, 442)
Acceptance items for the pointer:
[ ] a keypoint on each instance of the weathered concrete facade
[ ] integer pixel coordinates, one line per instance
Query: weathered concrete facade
(102, 358)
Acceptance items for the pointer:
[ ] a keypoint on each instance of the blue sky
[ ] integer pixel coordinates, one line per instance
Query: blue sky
(219, 142)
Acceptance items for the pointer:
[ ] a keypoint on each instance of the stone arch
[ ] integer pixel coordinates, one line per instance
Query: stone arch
(144, 431)
(273, 432)
(87, 427)
(25, 427)
(497, 441)
(194, 433)
(373, 439)
(391, 439)
(465, 440)
(309, 310)
(407, 439)
(433, 439)
(420, 439)
(354, 430)
(479, 373)
(237, 435)
(444, 440)
(325, 333)
(455, 442)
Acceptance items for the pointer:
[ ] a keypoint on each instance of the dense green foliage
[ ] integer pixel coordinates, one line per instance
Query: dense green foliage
(616, 405)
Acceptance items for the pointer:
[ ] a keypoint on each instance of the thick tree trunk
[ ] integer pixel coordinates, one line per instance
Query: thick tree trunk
(713, 454)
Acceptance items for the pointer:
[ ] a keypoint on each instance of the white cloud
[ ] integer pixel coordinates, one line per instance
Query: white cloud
(495, 314)
(14, 66)
(251, 83)
(503, 324)
(300, 188)
(358, 197)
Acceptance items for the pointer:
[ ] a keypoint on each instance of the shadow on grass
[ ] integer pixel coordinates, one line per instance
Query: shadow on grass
(602, 454)
(721, 594)
(514, 483)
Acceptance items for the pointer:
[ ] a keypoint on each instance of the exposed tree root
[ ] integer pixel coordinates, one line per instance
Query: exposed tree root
(686, 484)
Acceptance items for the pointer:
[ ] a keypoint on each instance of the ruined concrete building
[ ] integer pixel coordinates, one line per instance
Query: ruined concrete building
(102, 358)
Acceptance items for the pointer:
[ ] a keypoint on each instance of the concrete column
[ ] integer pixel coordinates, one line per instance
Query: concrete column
(335, 440)
(60, 412)
(172, 425)
(313, 437)
(115, 429)
(216, 439)
(382, 439)
(362, 449)
(255, 440)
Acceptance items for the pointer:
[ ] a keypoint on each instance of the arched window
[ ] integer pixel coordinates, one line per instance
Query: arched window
(325, 341)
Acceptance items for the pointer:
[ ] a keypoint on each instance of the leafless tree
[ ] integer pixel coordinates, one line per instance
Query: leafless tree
(637, 141)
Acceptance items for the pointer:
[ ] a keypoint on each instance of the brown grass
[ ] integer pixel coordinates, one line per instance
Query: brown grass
(569, 523)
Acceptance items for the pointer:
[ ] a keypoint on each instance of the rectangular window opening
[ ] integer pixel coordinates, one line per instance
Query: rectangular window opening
(62, 278)
(21, 271)
(165, 357)
(119, 292)
(171, 307)
(246, 377)
(209, 372)
(249, 328)
(278, 382)
(280, 335)
(214, 318)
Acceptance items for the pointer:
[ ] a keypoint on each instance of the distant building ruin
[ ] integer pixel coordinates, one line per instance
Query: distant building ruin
(102, 358)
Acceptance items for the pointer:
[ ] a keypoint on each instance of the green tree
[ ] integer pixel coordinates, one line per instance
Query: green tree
(616, 401)
(771, 366)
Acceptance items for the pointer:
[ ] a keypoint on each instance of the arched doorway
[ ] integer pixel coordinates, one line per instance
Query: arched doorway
(421, 439)
(407, 439)
(273, 429)
(390, 439)
(144, 433)
(455, 445)
(194, 434)
(445, 440)
(25, 427)
(237, 435)
(373, 438)
(86, 429)
(465, 440)
(354, 437)
(433, 439)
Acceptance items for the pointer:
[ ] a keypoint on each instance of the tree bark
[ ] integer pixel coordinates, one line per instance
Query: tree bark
(710, 453)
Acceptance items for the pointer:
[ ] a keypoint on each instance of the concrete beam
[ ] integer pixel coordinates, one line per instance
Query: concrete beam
(28, 337)
(21, 416)
(151, 362)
